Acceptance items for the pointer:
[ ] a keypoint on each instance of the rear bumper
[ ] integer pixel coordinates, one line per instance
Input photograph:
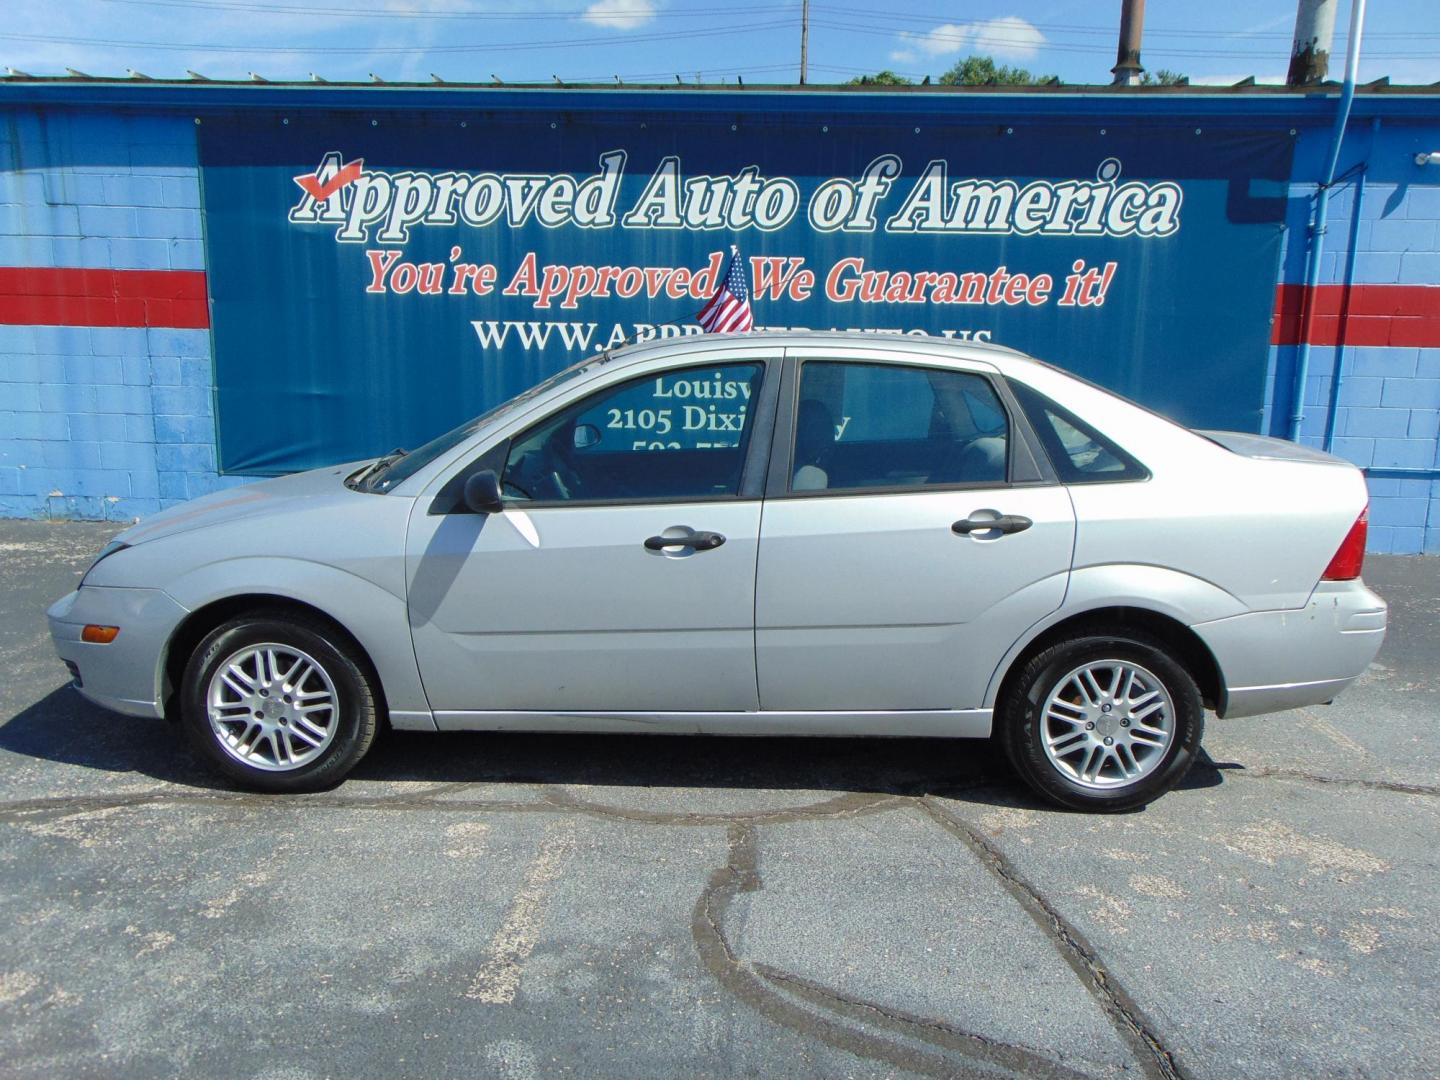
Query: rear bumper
(1273, 660)
(125, 675)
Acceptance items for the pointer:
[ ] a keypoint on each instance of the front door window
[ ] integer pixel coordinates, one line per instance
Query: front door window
(677, 435)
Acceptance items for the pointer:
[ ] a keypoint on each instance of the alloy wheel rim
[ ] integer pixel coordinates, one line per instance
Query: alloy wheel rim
(1107, 724)
(272, 707)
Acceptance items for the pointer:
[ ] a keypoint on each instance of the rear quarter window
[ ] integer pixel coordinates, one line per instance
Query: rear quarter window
(1079, 453)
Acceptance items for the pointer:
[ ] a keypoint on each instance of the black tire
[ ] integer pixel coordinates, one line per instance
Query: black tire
(1023, 729)
(354, 717)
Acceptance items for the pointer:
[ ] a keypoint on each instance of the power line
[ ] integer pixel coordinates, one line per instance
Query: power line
(711, 73)
(621, 17)
(962, 40)
(702, 9)
(364, 50)
(959, 40)
(1106, 31)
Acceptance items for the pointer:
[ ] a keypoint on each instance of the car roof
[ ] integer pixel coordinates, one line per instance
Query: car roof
(921, 344)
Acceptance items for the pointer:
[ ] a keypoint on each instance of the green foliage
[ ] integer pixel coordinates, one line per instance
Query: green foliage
(983, 71)
(881, 78)
(1163, 77)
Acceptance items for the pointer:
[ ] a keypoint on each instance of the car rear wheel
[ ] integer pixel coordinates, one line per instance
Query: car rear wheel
(1104, 721)
(279, 703)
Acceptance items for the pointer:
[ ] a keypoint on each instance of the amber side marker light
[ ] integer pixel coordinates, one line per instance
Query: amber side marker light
(99, 635)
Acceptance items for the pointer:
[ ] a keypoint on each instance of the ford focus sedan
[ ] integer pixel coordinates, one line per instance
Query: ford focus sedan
(801, 534)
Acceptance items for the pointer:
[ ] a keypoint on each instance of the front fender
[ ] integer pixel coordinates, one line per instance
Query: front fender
(1183, 597)
(374, 616)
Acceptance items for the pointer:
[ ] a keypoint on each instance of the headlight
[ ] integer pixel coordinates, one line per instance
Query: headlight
(109, 549)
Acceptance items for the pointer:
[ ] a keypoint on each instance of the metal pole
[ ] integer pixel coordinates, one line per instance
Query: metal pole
(1310, 51)
(804, 38)
(1319, 220)
(1337, 382)
(1127, 67)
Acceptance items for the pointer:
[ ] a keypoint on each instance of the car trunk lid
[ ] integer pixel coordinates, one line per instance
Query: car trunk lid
(1269, 449)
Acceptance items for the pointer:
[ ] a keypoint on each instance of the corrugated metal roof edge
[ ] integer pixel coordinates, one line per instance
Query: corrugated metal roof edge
(1244, 86)
(1299, 104)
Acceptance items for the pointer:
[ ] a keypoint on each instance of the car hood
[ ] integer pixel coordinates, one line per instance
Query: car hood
(249, 500)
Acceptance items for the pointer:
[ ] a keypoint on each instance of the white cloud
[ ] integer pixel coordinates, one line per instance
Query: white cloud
(1008, 38)
(620, 14)
(902, 56)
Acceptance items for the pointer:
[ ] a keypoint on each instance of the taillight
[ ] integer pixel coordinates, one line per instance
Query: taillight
(1350, 557)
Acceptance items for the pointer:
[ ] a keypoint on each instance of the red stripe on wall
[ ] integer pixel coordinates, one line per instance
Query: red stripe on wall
(1397, 315)
(68, 296)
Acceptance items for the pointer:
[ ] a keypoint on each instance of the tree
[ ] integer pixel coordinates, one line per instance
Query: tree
(983, 71)
(1164, 77)
(881, 78)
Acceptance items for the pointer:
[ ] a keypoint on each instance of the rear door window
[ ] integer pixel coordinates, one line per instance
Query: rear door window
(895, 426)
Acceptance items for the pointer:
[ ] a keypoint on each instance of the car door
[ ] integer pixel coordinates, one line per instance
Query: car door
(911, 534)
(620, 576)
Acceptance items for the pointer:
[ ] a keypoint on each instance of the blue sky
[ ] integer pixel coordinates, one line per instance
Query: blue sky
(655, 40)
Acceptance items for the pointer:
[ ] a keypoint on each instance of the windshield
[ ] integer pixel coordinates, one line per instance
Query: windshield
(403, 468)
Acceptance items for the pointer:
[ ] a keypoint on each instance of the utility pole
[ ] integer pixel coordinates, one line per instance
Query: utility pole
(804, 38)
(1127, 67)
(1310, 51)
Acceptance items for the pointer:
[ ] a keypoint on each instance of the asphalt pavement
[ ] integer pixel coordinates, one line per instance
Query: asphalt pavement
(636, 906)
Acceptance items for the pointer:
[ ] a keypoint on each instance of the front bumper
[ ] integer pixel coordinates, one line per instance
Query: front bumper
(1273, 660)
(125, 675)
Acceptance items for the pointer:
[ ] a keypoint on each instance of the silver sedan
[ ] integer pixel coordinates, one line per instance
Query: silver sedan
(800, 534)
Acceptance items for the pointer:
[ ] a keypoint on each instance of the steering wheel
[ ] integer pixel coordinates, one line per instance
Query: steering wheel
(556, 466)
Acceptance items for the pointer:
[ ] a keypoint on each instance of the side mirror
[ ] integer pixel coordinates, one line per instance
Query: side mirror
(482, 493)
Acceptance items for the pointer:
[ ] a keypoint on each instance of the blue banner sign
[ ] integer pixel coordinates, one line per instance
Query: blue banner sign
(376, 281)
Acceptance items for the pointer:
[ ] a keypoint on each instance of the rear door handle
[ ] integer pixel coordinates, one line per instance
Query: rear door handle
(699, 541)
(1005, 523)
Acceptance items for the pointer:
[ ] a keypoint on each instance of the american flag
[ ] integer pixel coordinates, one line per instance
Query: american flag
(729, 309)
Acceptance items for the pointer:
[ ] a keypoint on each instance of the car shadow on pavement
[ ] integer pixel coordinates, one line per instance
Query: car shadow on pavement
(65, 728)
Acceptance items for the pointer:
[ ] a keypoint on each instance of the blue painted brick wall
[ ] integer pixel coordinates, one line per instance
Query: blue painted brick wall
(1387, 411)
(102, 423)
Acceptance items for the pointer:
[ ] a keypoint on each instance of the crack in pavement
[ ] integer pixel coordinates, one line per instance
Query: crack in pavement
(1279, 772)
(769, 990)
(1034, 1062)
(558, 798)
(848, 804)
(1126, 1016)
(46, 807)
(754, 984)
(548, 801)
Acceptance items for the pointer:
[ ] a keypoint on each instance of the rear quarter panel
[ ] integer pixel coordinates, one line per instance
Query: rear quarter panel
(1261, 531)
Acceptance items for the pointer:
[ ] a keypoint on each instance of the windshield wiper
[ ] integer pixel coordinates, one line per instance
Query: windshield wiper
(378, 465)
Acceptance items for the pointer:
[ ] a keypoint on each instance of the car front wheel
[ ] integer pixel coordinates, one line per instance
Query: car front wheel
(279, 703)
(1105, 721)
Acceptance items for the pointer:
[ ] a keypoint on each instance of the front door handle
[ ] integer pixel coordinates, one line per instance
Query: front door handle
(1005, 523)
(699, 541)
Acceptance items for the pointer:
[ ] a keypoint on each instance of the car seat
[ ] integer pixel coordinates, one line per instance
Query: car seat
(814, 437)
